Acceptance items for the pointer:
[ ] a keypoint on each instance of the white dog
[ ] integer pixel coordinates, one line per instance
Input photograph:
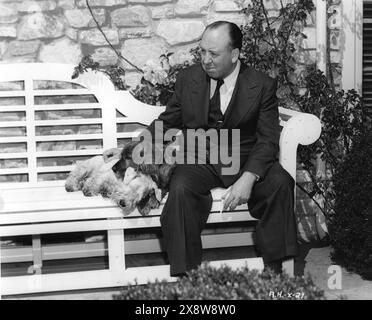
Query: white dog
(94, 177)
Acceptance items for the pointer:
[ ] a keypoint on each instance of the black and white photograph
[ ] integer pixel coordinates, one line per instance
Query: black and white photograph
(185, 155)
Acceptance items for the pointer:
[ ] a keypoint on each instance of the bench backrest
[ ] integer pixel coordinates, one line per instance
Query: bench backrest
(49, 120)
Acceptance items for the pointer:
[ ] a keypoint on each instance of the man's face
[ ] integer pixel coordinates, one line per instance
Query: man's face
(217, 57)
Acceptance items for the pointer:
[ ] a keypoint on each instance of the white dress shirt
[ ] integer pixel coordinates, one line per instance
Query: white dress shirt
(227, 88)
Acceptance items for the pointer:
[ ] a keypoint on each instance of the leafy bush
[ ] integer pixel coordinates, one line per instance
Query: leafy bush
(209, 283)
(344, 118)
(350, 226)
(271, 44)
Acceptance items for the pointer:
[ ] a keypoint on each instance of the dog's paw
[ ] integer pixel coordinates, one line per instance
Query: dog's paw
(144, 211)
(87, 192)
(69, 188)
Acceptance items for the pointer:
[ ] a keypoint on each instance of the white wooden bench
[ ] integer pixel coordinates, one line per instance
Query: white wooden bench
(38, 143)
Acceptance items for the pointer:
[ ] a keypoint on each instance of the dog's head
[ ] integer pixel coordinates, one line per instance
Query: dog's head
(148, 159)
(137, 189)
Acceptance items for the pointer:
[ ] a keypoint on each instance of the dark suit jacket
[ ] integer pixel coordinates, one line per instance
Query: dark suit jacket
(253, 109)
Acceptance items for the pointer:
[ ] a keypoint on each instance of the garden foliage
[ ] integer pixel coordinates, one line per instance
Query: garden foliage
(225, 283)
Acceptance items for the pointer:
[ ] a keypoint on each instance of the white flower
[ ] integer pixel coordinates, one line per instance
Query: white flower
(155, 72)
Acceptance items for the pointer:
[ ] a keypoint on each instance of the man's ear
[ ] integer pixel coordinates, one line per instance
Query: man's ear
(235, 55)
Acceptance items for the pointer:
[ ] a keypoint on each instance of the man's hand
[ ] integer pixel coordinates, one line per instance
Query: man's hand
(109, 154)
(240, 191)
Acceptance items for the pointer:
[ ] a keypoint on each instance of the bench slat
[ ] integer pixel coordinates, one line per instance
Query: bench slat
(99, 249)
(114, 223)
(105, 278)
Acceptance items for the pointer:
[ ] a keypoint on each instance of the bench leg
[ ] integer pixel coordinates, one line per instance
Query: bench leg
(36, 255)
(288, 267)
(116, 251)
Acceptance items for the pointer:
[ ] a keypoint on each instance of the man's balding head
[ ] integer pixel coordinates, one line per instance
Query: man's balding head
(220, 47)
(234, 32)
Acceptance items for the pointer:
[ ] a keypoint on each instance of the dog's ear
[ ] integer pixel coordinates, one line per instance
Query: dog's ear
(143, 205)
(130, 174)
(147, 203)
(119, 168)
(126, 152)
(158, 194)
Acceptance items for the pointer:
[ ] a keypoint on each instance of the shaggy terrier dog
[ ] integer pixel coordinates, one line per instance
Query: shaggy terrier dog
(158, 168)
(128, 184)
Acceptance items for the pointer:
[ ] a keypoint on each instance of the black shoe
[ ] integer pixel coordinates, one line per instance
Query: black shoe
(275, 266)
(179, 275)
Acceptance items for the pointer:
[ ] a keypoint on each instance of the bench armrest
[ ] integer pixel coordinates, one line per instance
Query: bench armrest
(300, 128)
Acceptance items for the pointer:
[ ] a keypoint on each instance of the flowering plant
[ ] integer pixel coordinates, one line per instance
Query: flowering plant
(159, 78)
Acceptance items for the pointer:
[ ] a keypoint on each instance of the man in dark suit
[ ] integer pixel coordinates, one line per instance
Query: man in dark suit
(221, 93)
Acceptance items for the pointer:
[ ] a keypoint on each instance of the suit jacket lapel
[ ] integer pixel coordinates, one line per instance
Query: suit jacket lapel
(200, 93)
(244, 94)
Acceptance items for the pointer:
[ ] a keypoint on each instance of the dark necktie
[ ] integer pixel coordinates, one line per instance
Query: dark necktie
(215, 114)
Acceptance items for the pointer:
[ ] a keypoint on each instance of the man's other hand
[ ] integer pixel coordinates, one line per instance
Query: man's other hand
(109, 154)
(240, 191)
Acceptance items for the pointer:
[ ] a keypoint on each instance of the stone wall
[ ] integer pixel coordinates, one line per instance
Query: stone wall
(64, 31)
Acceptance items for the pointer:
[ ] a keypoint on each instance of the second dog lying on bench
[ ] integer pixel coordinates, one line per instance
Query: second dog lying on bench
(129, 184)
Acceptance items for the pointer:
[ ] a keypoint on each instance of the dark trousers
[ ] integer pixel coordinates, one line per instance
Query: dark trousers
(189, 202)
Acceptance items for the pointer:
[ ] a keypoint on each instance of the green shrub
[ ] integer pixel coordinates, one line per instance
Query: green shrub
(350, 227)
(209, 283)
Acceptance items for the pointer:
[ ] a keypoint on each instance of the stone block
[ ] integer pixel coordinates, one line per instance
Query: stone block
(71, 33)
(19, 59)
(66, 4)
(273, 4)
(162, 12)
(36, 6)
(3, 48)
(8, 13)
(150, 1)
(136, 16)
(95, 38)
(105, 56)
(181, 55)
(40, 25)
(131, 33)
(80, 18)
(132, 79)
(178, 31)
(237, 18)
(191, 7)
(21, 48)
(229, 6)
(139, 51)
(63, 50)
(100, 3)
(9, 31)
